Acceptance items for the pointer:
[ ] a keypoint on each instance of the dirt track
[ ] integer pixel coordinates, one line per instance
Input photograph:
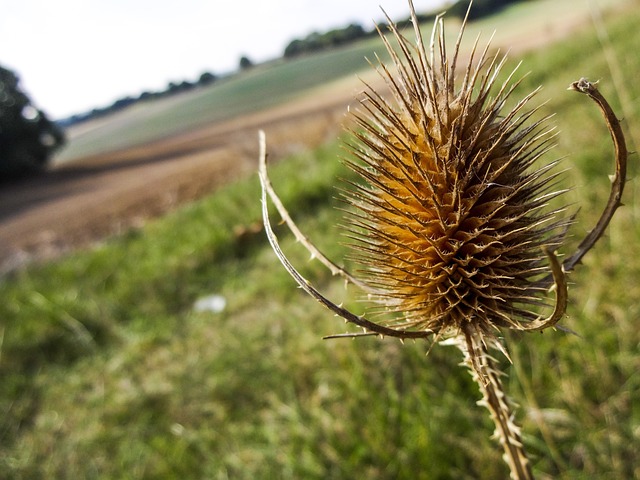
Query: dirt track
(84, 201)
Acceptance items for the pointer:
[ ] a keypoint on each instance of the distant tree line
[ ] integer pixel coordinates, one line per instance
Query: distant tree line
(323, 41)
(173, 88)
(318, 41)
(480, 8)
(337, 37)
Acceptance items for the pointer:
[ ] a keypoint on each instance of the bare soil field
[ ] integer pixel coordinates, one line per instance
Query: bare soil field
(83, 201)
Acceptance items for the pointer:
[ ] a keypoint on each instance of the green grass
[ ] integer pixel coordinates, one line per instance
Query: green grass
(107, 372)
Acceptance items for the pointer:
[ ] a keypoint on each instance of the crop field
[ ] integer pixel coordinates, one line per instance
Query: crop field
(108, 371)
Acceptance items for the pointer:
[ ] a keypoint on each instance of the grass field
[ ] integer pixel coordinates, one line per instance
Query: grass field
(106, 370)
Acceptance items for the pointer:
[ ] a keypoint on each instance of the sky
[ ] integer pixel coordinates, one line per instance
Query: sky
(74, 55)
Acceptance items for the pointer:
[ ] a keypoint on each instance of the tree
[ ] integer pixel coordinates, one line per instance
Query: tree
(296, 47)
(27, 137)
(317, 41)
(245, 63)
(480, 8)
(206, 78)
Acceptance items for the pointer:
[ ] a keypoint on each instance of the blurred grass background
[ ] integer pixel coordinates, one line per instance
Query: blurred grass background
(106, 371)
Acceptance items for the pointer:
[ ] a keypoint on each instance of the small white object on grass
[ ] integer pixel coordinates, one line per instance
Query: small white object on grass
(211, 303)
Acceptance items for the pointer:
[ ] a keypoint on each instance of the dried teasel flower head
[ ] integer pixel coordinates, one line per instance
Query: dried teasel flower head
(451, 219)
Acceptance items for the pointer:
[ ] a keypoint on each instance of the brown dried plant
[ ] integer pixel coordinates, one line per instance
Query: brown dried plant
(451, 221)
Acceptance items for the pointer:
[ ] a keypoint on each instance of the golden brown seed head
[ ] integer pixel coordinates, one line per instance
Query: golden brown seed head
(451, 216)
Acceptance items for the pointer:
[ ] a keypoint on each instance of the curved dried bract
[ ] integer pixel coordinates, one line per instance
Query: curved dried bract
(619, 179)
(562, 297)
(301, 237)
(303, 282)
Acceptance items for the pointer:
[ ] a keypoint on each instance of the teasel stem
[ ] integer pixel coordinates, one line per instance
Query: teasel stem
(474, 345)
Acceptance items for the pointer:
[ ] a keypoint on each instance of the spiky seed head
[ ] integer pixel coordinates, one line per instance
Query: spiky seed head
(451, 216)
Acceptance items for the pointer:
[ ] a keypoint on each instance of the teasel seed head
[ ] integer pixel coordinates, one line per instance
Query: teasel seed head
(452, 214)
(451, 220)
